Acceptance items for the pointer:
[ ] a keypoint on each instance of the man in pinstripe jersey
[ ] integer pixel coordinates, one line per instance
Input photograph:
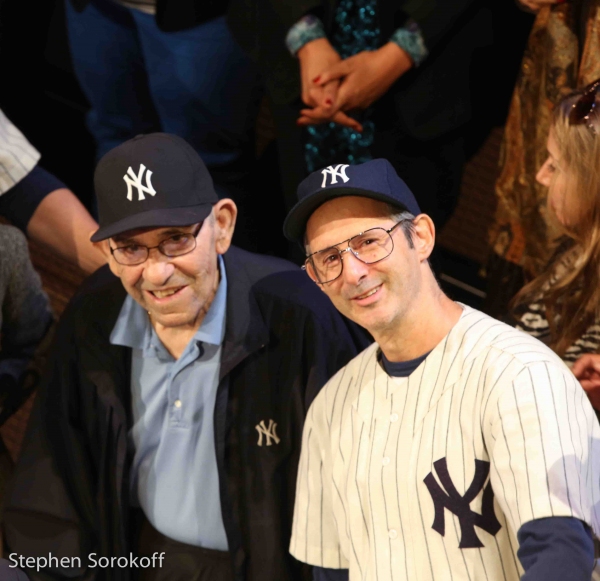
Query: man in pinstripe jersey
(455, 447)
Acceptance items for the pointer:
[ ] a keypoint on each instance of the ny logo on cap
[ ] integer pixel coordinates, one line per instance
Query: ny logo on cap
(135, 181)
(339, 171)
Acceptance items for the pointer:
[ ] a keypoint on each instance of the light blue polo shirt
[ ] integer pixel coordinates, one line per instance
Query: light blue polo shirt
(174, 476)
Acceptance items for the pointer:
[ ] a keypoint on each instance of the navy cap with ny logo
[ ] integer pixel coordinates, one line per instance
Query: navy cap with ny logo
(151, 181)
(375, 179)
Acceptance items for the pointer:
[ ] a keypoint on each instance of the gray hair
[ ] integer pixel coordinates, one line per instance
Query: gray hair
(407, 226)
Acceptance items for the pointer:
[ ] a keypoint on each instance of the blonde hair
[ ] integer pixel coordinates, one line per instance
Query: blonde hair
(569, 289)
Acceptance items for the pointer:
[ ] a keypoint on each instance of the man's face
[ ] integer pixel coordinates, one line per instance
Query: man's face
(376, 296)
(177, 291)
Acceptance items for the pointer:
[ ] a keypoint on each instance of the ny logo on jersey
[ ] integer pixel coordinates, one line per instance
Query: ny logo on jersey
(135, 181)
(459, 505)
(339, 171)
(268, 432)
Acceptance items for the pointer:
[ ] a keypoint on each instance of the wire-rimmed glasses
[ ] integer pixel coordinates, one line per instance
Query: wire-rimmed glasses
(175, 245)
(369, 247)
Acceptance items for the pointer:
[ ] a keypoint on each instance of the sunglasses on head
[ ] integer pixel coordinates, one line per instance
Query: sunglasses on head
(585, 106)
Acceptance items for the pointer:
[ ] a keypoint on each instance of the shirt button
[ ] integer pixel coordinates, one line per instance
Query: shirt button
(393, 533)
(177, 403)
(385, 461)
(394, 418)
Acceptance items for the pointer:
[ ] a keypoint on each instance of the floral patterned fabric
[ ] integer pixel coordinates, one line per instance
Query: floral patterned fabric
(563, 52)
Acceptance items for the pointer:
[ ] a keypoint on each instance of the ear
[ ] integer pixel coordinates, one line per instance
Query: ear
(424, 236)
(103, 247)
(114, 266)
(225, 213)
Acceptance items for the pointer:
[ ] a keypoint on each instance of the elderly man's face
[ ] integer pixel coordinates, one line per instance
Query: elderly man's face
(177, 291)
(376, 296)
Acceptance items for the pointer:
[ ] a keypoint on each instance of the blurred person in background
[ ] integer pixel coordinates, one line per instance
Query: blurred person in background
(25, 334)
(166, 65)
(25, 319)
(561, 306)
(563, 52)
(377, 79)
(41, 205)
(44, 209)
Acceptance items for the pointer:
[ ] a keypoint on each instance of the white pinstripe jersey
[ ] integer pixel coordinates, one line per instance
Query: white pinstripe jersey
(492, 425)
(17, 156)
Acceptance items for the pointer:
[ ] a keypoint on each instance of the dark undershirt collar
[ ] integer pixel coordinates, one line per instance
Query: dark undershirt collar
(401, 368)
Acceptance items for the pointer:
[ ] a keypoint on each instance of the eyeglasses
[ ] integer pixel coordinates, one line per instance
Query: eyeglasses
(369, 247)
(176, 245)
(585, 106)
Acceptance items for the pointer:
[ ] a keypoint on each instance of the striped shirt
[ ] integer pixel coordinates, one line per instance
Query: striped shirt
(430, 477)
(532, 318)
(17, 156)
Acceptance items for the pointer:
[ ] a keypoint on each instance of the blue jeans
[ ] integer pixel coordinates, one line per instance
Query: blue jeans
(196, 83)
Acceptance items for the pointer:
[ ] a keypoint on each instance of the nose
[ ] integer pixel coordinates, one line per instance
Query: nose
(354, 270)
(544, 175)
(158, 268)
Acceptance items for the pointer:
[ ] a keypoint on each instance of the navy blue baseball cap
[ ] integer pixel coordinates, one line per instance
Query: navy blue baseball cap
(375, 179)
(151, 181)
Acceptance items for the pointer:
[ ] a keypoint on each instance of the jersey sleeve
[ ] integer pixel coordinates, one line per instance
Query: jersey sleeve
(20, 202)
(17, 156)
(552, 549)
(315, 538)
(544, 443)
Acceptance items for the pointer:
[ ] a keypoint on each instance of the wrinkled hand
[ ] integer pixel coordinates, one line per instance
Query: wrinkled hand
(364, 77)
(587, 370)
(315, 57)
(536, 5)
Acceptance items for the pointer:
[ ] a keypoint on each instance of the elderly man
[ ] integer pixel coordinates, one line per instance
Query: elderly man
(455, 447)
(170, 423)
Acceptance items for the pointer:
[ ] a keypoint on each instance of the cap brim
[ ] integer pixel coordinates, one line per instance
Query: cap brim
(294, 225)
(154, 219)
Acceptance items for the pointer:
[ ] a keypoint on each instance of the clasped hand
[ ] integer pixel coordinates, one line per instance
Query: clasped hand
(332, 87)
